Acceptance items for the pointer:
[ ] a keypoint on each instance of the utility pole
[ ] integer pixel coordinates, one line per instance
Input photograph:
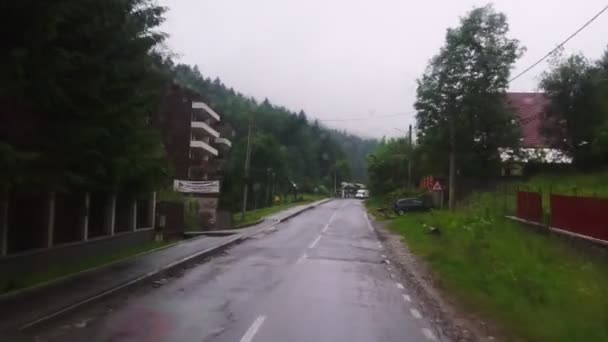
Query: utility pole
(267, 197)
(246, 176)
(452, 172)
(409, 160)
(272, 188)
(409, 156)
(335, 181)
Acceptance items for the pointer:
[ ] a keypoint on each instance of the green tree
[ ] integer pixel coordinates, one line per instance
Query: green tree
(83, 78)
(460, 97)
(388, 166)
(577, 114)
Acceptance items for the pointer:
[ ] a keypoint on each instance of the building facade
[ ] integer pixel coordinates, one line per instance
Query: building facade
(534, 146)
(197, 143)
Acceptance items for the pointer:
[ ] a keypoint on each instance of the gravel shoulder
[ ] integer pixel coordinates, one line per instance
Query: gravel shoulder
(451, 321)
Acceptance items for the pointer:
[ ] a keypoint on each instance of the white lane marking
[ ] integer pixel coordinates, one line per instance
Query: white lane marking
(253, 329)
(333, 216)
(416, 313)
(314, 243)
(301, 258)
(325, 228)
(388, 262)
(407, 298)
(383, 256)
(428, 334)
(400, 286)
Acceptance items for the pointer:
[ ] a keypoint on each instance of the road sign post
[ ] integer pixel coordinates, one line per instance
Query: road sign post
(438, 194)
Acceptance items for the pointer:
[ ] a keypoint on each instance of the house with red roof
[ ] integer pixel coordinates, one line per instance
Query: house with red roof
(529, 109)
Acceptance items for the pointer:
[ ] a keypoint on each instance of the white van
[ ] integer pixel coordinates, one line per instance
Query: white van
(362, 193)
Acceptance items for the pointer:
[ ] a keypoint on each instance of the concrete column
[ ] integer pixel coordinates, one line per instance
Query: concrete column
(50, 232)
(4, 223)
(110, 215)
(85, 217)
(152, 210)
(133, 218)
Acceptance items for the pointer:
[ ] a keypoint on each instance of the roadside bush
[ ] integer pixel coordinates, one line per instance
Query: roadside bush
(322, 190)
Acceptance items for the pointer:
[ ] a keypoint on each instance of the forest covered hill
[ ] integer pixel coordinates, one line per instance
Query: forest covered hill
(289, 144)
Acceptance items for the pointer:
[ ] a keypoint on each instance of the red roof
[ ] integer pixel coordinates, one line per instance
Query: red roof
(529, 109)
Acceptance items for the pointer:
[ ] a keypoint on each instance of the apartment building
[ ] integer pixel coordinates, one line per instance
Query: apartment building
(197, 143)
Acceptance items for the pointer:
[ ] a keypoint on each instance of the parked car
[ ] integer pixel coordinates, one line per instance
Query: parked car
(362, 194)
(407, 205)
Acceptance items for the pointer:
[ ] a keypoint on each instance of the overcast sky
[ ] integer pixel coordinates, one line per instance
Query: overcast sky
(354, 59)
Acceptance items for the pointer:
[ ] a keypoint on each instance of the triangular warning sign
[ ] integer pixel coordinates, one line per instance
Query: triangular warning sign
(437, 187)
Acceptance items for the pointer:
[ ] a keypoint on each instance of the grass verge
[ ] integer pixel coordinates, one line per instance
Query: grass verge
(536, 286)
(30, 279)
(254, 216)
(580, 184)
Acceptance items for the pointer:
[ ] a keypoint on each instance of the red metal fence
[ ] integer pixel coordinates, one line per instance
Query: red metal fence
(530, 206)
(580, 215)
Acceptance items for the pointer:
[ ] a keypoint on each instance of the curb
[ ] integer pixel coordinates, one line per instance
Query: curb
(288, 217)
(260, 220)
(148, 276)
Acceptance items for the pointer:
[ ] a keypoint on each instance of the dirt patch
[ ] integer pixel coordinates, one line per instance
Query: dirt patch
(450, 321)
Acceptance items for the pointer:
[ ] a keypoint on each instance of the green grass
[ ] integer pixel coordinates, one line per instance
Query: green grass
(25, 280)
(583, 184)
(253, 216)
(536, 286)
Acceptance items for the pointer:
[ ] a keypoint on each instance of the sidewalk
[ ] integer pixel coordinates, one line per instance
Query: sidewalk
(41, 304)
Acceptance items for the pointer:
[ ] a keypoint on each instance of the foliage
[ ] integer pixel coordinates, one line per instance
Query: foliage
(464, 86)
(355, 150)
(512, 274)
(581, 184)
(577, 115)
(77, 85)
(388, 166)
(284, 142)
(322, 190)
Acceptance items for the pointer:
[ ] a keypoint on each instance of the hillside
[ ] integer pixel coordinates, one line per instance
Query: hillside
(292, 146)
(355, 149)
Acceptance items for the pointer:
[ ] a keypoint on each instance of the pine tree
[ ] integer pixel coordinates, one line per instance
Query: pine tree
(85, 72)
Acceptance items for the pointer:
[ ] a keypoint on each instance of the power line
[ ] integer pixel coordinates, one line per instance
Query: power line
(511, 80)
(560, 45)
(367, 117)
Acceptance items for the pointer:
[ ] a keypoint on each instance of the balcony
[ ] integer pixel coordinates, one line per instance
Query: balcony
(206, 111)
(204, 128)
(223, 142)
(203, 146)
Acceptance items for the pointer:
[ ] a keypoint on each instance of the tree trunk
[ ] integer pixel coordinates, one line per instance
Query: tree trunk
(451, 196)
(452, 180)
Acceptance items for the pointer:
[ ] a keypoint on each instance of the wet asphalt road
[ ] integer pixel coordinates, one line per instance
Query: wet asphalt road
(321, 276)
